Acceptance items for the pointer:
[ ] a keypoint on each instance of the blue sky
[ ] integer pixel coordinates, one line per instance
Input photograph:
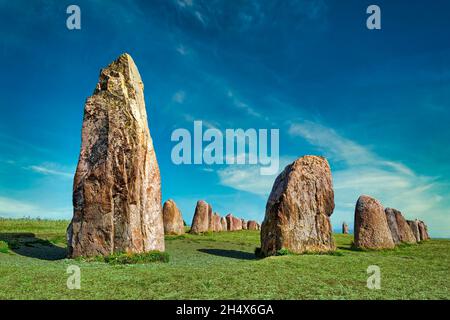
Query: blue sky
(375, 103)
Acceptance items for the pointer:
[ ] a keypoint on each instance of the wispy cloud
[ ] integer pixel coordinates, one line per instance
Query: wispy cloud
(51, 169)
(248, 177)
(238, 103)
(179, 97)
(14, 208)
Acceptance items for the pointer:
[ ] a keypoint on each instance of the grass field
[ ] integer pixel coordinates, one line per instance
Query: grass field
(217, 266)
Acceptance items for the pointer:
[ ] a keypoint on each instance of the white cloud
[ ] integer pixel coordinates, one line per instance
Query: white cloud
(50, 169)
(248, 178)
(181, 49)
(242, 105)
(184, 3)
(179, 96)
(13, 208)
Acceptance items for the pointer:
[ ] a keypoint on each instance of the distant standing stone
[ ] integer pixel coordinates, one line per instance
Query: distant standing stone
(344, 228)
(117, 185)
(200, 221)
(392, 224)
(423, 233)
(217, 223)
(371, 227)
(223, 222)
(299, 208)
(252, 225)
(173, 221)
(405, 233)
(210, 219)
(414, 225)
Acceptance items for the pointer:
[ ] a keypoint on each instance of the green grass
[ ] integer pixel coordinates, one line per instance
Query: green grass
(216, 266)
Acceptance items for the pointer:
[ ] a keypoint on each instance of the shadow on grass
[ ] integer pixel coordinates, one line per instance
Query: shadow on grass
(235, 254)
(26, 244)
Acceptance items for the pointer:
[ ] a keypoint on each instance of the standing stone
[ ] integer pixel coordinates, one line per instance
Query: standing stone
(223, 222)
(344, 228)
(371, 226)
(252, 225)
(422, 231)
(299, 208)
(404, 231)
(392, 224)
(210, 219)
(117, 185)
(237, 224)
(244, 224)
(414, 225)
(233, 223)
(173, 221)
(217, 224)
(200, 221)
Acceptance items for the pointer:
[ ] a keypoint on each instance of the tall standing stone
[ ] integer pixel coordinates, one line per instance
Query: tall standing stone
(173, 221)
(345, 228)
(117, 185)
(392, 224)
(414, 225)
(200, 221)
(371, 226)
(299, 208)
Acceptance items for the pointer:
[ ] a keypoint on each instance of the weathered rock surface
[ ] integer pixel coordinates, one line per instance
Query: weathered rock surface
(217, 223)
(344, 228)
(233, 223)
(392, 224)
(423, 232)
(223, 222)
(404, 231)
(371, 226)
(237, 224)
(210, 219)
(200, 221)
(414, 225)
(173, 221)
(299, 208)
(117, 186)
(252, 225)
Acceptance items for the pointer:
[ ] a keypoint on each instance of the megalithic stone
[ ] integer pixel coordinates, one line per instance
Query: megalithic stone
(299, 208)
(117, 185)
(371, 226)
(345, 228)
(200, 221)
(173, 220)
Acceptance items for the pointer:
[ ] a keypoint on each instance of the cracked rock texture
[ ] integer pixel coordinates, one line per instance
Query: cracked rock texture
(299, 208)
(117, 185)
